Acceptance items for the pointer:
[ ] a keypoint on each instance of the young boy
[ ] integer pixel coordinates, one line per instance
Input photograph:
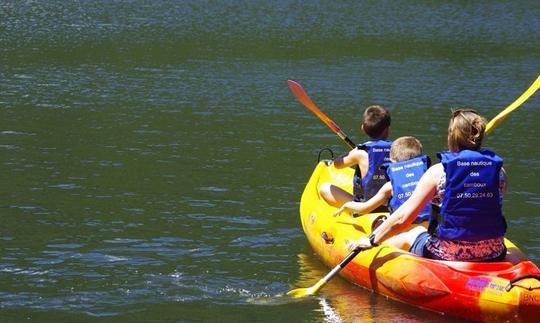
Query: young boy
(367, 157)
(406, 167)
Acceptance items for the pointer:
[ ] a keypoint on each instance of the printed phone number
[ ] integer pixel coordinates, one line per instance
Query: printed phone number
(404, 195)
(475, 195)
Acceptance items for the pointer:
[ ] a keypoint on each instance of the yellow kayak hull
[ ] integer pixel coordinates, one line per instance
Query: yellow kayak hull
(497, 291)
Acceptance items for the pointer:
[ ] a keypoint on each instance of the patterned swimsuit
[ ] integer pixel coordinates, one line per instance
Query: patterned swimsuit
(458, 250)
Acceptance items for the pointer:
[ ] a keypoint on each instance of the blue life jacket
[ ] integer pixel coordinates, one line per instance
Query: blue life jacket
(365, 187)
(471, 209)
(404, 177)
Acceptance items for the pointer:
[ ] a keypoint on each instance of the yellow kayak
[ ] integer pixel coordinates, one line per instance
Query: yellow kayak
(497, 291)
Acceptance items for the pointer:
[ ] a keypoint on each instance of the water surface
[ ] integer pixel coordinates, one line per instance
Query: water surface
(153, 157)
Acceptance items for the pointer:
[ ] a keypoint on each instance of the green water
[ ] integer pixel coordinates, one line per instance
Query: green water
(153, 158)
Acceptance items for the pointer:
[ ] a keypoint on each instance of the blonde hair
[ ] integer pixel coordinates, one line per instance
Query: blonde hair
(405, 148)
(465, 130)
(375, 120)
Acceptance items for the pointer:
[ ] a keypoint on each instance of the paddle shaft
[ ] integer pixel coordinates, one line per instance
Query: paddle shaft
(302, 96)
(334, 271)
(341, 265)
(348, 259)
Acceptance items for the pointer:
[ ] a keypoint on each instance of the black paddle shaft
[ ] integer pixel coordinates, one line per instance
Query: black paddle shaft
(350, 257)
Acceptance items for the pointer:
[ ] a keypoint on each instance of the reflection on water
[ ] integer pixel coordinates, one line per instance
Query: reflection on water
(340, 301)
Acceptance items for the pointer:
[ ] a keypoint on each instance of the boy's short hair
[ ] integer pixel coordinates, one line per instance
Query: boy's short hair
(375, 120)
(405, 148)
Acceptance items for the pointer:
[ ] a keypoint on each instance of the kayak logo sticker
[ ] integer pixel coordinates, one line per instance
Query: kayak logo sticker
(477, 284)
(484, 285)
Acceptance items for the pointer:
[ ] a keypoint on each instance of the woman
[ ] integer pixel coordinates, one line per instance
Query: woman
(465, 191)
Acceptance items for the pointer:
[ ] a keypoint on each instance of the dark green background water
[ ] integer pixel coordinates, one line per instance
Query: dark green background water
(153, 158)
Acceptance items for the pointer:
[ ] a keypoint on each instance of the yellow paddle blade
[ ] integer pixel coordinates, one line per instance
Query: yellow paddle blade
(501, 116)
(300, 292)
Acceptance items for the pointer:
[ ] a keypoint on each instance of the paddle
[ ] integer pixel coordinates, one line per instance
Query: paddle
(506, 112)
(302, 96)
(301, 292)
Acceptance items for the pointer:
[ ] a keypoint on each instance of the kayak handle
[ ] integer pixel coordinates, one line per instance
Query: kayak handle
(325, 149)
(515, 280)
(327, 239)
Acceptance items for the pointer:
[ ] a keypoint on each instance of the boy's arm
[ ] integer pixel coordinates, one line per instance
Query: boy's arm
(377, 200)
(402, 218)
(354, 157)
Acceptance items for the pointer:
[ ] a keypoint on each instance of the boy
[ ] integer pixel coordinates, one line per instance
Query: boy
(367, 157)
(407, 166)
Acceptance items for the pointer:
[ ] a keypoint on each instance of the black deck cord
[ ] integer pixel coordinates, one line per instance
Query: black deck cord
(320, 152)
(515, 280)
